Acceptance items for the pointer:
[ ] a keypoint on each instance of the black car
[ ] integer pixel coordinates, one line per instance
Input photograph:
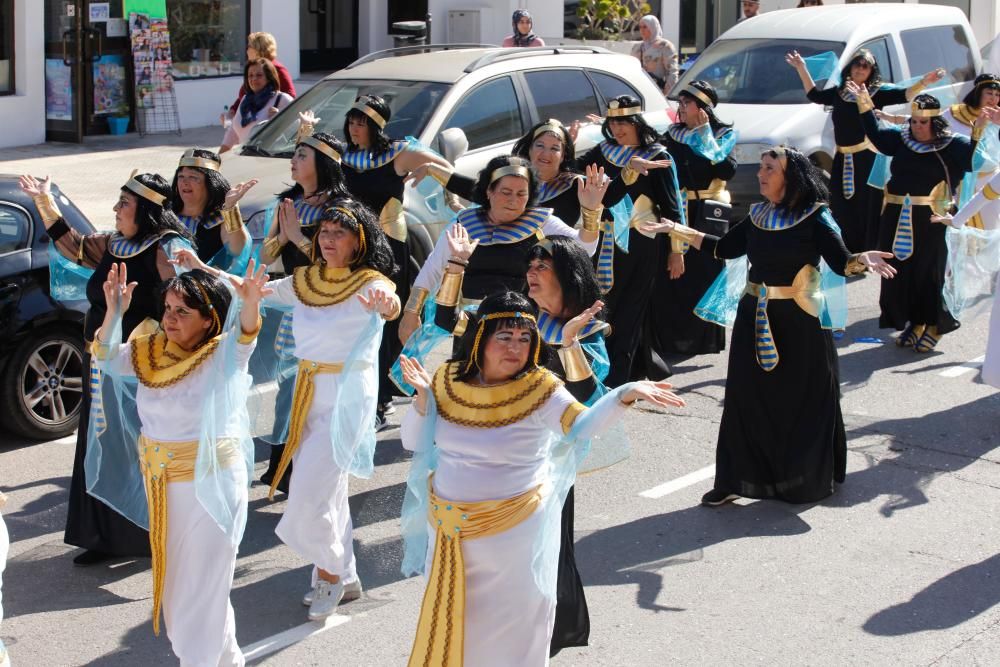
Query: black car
(41, 340)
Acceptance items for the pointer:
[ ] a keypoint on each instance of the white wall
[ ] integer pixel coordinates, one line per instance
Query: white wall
(22, 115)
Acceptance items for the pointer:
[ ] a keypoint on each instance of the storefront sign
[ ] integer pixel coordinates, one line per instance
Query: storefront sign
(100, 12)
(58, 90)
(154, 9)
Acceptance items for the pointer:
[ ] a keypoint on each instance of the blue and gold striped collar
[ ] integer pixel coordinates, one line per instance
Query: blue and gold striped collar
(550, 328)
(309, 214)
(619, 156)
(558, 185)
(360, 160)
(124, 248)
(194, 222)
(926, 146)
(771, 218)
(529, 224)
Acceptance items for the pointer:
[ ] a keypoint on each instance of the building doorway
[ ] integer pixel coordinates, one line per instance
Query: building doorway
(328, 34)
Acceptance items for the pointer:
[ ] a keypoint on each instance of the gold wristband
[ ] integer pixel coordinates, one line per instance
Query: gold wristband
(977, 132)
(305, 246)
(47, 208)
(415, 304)
(914, 90)
(272, 247)
(232, 219)
(678, 245)
(461, 325)
(591, 218)
(684, 233)
(450, 290)
(440, 174)
(855, 266)
(629, 175)
(100, 351)
(865, 103)
(574, 362)
(247, 336)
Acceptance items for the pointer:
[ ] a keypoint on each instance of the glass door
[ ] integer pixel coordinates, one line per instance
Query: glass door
(63, 54)
(328, 34)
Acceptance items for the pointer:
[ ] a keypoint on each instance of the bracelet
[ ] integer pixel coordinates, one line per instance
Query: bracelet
(574, 362)
(247, 336)
(415, 304)
(440, 174)
(305, 247)
(855, 266)
(914, 90)
(450, 290)
(458, 262)
(461, 325)
(865, 103)
(47, 208)
(232, 219)
(591, 218)
(272, 247)
(678, 245)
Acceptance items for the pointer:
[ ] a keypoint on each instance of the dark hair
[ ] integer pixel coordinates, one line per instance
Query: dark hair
(983, 82)
(329, 175)
(270, 73)
(377, 252)
(523, 145)
(647, 135)
(483, 184)
(939, 124)
(862, 55)
(804, 184)
(215, 183)
(193, 286)
(708, 90)
(500, 302)
(574, 270)
(378, 140)
(153, 219)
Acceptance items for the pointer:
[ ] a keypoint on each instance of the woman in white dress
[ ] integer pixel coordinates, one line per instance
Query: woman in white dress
(985, 94)
(261, 101)
(184, 467)
(482, 513)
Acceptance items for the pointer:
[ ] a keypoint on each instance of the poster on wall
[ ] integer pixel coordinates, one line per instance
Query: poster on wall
(110, 95)
(58, 90)
(152, 58)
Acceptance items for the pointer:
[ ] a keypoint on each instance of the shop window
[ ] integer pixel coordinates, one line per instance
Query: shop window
(208, 37)
(6, 47)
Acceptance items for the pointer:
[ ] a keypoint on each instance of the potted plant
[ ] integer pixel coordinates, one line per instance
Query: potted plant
(610, 20)
(118, 121)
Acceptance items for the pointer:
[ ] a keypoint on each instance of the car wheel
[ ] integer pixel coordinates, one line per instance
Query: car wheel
(43, 385)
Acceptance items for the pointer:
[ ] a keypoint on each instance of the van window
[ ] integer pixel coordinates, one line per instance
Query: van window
(489, 114)
(565, 94)
(14, 228)
(939, 46)
(611, 87)
(880, 49)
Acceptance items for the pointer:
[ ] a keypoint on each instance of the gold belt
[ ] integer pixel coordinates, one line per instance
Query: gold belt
(716, 190)
(865, 145)
(441, 628)
(938, 199)
(804, 290)
(164, 462)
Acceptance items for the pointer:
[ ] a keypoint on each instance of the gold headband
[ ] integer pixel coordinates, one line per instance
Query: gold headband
(694, 92)
(615, 110)
(371, 113)
(141, 190)
(782, 156)
(216, 324)
(362, 243)
(917, 112)
(189, 160)
(553, 126)
(513, 169)
(508, 315)
(546, 245)
(988, 82)
(323, 148)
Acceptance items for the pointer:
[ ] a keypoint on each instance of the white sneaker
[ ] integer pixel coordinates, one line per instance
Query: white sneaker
(326, 597)
(352, 591)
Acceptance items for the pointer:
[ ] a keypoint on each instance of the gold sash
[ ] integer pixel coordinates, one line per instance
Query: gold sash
(440, 639)
(163, 462)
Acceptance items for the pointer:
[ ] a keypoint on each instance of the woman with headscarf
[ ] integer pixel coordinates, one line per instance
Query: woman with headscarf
(782, 432)
(523, 35)
(855, 204)
(657, 55)
(261, 100)
(961, 118)
(928, 163)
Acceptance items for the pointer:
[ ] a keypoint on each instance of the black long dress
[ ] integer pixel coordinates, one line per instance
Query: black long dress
(633, 355)
(673, 323)
(90, 524)
(858, 214)
(782, 431)
(914, 295)
(381, 189)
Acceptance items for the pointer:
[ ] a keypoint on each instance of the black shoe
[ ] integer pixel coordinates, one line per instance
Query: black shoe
(91, 557)
(717, 497)
(272, 465)
(381, 423)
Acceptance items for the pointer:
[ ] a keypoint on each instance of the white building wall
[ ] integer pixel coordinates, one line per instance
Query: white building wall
(22, 115)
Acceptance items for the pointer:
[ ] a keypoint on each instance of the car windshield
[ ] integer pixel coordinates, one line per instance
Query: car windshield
(753, 71)
(411, 102)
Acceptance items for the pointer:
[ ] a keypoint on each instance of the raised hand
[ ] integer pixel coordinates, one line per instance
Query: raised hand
(591, 191)
(644, 166)
(33, 187)
(253, 286)
(187, 259)
(118, 290)
(459, 243)
(795, 59)
(875, 261)
(855, 88)
(702, 117)
(418, 174)
(236, 193)
(415, 375)
(573, 130)
(289, 229)
(308, 117)
(379, 300)
(654, 392)
(664, 226)
(573, 327)
(933, 76)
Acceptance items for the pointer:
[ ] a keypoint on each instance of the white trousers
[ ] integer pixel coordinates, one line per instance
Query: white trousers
(991, 367)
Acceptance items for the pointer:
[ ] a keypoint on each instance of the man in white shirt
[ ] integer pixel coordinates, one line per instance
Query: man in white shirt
(750, 9)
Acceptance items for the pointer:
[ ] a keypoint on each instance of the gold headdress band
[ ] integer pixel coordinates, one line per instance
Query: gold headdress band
(694, 92)
(322, 147)
(615, 110)
(988, 82)
(216, 324)
(554, 126)
(189, 160)
(141, 190)
(917, 112)
(780, 154)
(517, 167)
(507, 315)
(371, 113)
(546, 245)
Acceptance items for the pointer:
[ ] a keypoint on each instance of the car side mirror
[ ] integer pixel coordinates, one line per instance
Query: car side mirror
(454, 144)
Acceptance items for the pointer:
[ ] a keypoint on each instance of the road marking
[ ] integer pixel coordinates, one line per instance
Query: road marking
(687, 480)
(962, 369)
(283, 640)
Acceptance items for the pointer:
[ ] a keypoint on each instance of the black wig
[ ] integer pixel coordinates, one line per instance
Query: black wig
(203, 292)
(500, 302)
(378, 141)
(215, 183)
(354, 216)
(983, 82)
(523, 146)
(574, 270)
(707, 89)
(329, 176)
(153, 219)
(647, 135)
(804, 184)
(874, 79)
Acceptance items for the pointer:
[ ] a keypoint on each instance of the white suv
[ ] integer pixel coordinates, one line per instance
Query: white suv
(492, 95)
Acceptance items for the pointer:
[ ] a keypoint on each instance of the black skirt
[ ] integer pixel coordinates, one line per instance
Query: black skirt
(857, 217)
(572, 626)
(782, 432)
(390, 348)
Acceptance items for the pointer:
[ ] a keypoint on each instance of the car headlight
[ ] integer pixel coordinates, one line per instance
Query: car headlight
(257, 225)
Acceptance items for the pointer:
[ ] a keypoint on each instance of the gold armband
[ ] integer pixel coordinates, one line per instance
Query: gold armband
(574, 363)
(450, 290)
(394, 313)
(246, 337)
(461, 325)
(591, 218)
(305, 246)
(272, 247)
(232, 219)
(865, 103)
(629, 175)
(855, 266)
(683, 233)
(47, 208)
(415, 304)
(915, 90)
(100, 351)
(440, 174)
(977, 132)
(678, 245)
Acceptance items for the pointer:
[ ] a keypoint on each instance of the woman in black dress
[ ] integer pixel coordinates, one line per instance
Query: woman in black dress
(928, 163)
(700, 145)
(854, 203)
(782, 432)
(146, 231)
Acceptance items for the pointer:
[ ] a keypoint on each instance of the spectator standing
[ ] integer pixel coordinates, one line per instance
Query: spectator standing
(657, 54)
(263, 45)
(751, 8)
(262, 101)
(523, 34)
